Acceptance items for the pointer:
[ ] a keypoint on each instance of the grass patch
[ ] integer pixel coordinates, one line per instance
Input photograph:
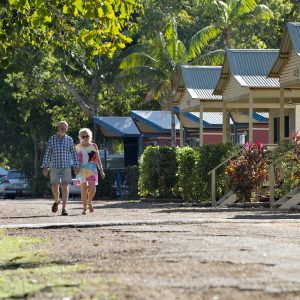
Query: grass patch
(26, 271)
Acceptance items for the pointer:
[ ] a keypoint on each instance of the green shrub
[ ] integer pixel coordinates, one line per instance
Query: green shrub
(209, 156)
(169, 172)
(158, 172)
(187, 158)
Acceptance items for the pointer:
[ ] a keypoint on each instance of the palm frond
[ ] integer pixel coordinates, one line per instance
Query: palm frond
(150, 94)
(213, 58)
(164, 89)
(171, 30)
(242, 7)
(157, 90)
(175, 47)
(200, 40)
(264, 12)
(137, 59)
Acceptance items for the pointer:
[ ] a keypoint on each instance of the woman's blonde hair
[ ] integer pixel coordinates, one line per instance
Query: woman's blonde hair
(85, 131)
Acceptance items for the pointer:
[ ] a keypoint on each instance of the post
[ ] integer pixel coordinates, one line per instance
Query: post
(271, 127)
(105, 157)
(224, 136)
(272, 184)
(201, 126)
(281, 115)
(213, 188)
(141, 145)
(181, 129)
(250, 118)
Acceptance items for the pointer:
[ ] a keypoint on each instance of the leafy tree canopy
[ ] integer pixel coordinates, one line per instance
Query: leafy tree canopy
(99, 25)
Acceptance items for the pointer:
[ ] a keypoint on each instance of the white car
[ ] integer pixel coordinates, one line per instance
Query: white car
(74, 190)
(14, 184)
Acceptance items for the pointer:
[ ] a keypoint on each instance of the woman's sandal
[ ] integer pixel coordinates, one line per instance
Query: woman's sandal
(91, 208)
(84, 212)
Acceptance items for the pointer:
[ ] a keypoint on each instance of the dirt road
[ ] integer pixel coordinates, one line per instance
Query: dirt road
(167, 251)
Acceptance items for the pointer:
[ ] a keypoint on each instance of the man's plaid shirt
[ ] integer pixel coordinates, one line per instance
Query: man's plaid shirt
(60, 153)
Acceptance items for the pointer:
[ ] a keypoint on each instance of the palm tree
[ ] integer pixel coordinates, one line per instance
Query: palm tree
(232, 13)
(161, 68)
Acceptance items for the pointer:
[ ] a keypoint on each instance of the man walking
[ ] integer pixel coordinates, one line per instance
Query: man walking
(59, 155)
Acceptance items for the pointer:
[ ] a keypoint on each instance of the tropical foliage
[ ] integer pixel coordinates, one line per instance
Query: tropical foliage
(161, 67)
(99, 25)
(294, 156)
(248, 172)
(183, 172)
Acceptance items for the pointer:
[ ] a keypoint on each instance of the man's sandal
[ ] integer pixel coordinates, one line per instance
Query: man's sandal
(64, 212)
(55, 207)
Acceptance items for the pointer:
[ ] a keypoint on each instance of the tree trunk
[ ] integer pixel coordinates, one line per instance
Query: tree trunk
(226, 37)
(77, 97)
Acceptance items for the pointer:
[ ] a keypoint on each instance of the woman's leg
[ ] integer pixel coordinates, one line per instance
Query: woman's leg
(91, 195)
(83, 190)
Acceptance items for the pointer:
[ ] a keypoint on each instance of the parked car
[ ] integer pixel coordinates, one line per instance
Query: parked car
(14, 184)
(74, 190)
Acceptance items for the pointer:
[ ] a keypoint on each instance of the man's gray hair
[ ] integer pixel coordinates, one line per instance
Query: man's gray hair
(62, 122)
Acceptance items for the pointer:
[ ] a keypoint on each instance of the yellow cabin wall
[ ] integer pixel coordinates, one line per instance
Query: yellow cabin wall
(234, 89)
(291, 70)
(187, 102)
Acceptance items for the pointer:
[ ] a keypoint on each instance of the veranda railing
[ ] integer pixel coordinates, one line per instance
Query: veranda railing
(213, 177)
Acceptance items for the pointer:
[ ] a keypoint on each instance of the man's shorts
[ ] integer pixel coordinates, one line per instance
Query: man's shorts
(61, 175)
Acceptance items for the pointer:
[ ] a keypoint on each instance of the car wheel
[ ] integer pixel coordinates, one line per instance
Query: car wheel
(4, 196)
(12, 196)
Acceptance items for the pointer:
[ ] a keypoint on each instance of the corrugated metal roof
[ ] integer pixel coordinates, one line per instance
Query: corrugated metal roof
(258, 81)
(240, 118)
(200, 81)
(263, 115)
(120, 126)
(294, 31)
(251, 66)
(159, 120)
(211, 118)
(290, 40)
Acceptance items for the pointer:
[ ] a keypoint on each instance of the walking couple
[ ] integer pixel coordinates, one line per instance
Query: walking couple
(59, 156)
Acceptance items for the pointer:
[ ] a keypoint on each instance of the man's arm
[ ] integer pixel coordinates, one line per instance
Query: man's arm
(46, 158)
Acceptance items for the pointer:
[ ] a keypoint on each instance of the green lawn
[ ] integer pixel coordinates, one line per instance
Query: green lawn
(27, 271)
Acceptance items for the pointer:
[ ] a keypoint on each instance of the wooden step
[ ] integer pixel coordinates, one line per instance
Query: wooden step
(286, 197)
(229, 199)
(291, 202)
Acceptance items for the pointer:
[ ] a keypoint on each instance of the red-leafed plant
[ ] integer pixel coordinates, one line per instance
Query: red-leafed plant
(249, 171)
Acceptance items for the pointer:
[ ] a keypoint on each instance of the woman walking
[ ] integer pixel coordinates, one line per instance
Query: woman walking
(87, 177)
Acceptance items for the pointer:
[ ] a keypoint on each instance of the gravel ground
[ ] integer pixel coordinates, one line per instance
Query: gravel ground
(169, 251)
